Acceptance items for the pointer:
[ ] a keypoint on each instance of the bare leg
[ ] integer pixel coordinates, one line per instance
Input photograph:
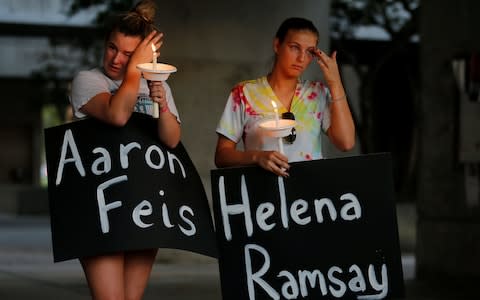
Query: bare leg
(105, 276)
(137, 269)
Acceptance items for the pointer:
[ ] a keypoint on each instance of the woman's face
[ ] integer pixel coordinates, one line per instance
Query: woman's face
(118, 50)
(294, 53)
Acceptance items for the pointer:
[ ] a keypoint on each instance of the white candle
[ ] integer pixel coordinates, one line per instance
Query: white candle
(276, 113)
(154, 65)
(154, 58)
(156, 110)
(277, 121)
(280, 145)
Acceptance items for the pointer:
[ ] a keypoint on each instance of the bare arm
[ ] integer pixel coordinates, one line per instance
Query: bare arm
(226, 155)
(168, 129)
(168, 126)
(342, 128)
(117, 109)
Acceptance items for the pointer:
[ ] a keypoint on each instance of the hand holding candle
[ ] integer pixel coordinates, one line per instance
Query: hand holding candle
(155, 71)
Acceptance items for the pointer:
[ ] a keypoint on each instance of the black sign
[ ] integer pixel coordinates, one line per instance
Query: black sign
(118, 188)
(328, 231)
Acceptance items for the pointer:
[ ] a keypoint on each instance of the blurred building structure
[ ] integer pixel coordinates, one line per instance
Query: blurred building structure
(210, 59)
(214, 45)
(448, 229)
(26, 30)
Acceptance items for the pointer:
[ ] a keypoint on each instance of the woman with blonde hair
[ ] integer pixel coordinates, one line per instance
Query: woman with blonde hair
(316, 107)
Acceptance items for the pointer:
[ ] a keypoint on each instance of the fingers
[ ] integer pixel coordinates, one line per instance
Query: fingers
(162, 102)
(334, 55)
(327, 61)
(275, 162)
(322, 61)
(157, 92)
(157, 41)
(156, 85)
(280, 171)
(329, 67)
(143, 52)
(316, 53)
(153, 38)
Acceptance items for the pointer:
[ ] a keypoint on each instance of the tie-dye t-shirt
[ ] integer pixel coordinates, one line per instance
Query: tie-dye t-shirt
(88, 84)
(250, 103)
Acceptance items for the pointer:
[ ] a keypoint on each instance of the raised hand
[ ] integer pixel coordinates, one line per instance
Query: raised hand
(158, 94)
(143, 52)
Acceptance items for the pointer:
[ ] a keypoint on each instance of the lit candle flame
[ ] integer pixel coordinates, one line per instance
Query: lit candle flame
(154, 58)
(276, 113)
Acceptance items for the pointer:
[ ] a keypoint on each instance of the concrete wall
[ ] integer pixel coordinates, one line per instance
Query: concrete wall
(216, 44)
(20, 131)
(448, 231)
(23, 199)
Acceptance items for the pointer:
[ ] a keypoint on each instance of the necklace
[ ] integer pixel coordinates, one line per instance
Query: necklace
(284, 95)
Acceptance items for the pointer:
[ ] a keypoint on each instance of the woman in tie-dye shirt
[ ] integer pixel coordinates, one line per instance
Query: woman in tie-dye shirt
(317, 108)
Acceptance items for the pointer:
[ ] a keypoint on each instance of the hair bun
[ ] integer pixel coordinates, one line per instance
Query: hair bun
(146, 10)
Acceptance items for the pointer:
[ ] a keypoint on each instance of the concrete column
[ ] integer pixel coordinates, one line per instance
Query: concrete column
(448, 230)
